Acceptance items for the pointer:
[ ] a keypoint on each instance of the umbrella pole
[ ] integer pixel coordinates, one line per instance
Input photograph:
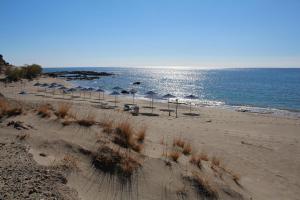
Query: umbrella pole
(190, 107)
(176, 106)
(152, 104)
(115, 101)
(169, 107)
(132, 98)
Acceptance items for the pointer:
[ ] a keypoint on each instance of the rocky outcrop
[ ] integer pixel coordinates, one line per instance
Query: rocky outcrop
(78, 75)
(3, 64)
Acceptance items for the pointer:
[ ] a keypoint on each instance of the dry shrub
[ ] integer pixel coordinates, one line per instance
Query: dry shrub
(178, 142)
(114, 162)
(63, 110)
(23, 136)
(174, 155)
(204, 187)
(14, 111)
(187, 149)
(236, 178)
(9, 110)
(141, 134)
(196, 160)
(67, 122)
(88, 121)
(204, 156)
(124, 136)
(182, 193)
(69, 162)
(107, 125)
(44, 110)
(215, 161)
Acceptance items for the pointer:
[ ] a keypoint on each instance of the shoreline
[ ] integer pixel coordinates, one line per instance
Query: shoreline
(294, 114)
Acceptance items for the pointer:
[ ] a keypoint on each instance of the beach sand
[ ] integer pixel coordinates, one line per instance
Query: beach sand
(262, 149)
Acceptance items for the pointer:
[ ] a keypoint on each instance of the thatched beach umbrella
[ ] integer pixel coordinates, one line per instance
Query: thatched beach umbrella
(78, 88)
(90, 89)
(53, 88)
(62, 89)
(117, 88)
(115, 93)
(72, 90)
(168, 96)
(151, 94)
(133, 92)
(37, 84)
(44, 85)
(191, 97)
(100, 90)
(83, 90)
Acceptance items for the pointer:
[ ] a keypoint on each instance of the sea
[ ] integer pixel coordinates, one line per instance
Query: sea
(262, 90)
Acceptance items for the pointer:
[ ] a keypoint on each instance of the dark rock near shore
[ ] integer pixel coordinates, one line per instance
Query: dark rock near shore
(78, 75)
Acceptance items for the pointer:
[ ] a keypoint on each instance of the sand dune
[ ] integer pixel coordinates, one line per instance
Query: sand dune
(258, 153)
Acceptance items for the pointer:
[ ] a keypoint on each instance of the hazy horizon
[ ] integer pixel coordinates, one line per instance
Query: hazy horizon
(195, 34)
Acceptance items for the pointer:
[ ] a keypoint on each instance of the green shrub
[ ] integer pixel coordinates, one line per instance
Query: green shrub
(28, 72)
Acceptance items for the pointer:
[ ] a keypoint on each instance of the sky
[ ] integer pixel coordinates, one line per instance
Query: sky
(149, 33)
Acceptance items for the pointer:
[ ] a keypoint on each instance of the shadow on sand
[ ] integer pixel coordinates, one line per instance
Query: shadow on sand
(191, 114)
(150, 114)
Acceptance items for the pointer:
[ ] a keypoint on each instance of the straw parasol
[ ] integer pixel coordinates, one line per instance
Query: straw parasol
(151, 94)
(117, 88)
(168, 96)
(100, 90)
(191, 97)
(133, 92)
(115, 93)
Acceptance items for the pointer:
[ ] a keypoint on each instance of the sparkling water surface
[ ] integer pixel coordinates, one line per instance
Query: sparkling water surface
(255, 88)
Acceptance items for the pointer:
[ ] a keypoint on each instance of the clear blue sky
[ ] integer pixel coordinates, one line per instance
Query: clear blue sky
(198, 33)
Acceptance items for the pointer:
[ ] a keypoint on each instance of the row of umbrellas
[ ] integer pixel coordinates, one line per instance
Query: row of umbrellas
(150, 94)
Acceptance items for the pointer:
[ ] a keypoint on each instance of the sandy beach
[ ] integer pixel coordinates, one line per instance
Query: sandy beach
(250, 155)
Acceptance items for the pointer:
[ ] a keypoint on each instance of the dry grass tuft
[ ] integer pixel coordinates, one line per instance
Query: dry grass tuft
(204, 156)
(196, 160)
(107, 125)
(44, 110)
(204, 187)
(174, 155)
(114, 162)
(215, 161)
(182, 193)
(14, 111)
(141, 134)
(9, 110)
(236, 178)
(124, 132)
(23, 136)
(178, 142)
(69, 162)
(63, 110)
(88, 121)
(187, 149)
(124, 136)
